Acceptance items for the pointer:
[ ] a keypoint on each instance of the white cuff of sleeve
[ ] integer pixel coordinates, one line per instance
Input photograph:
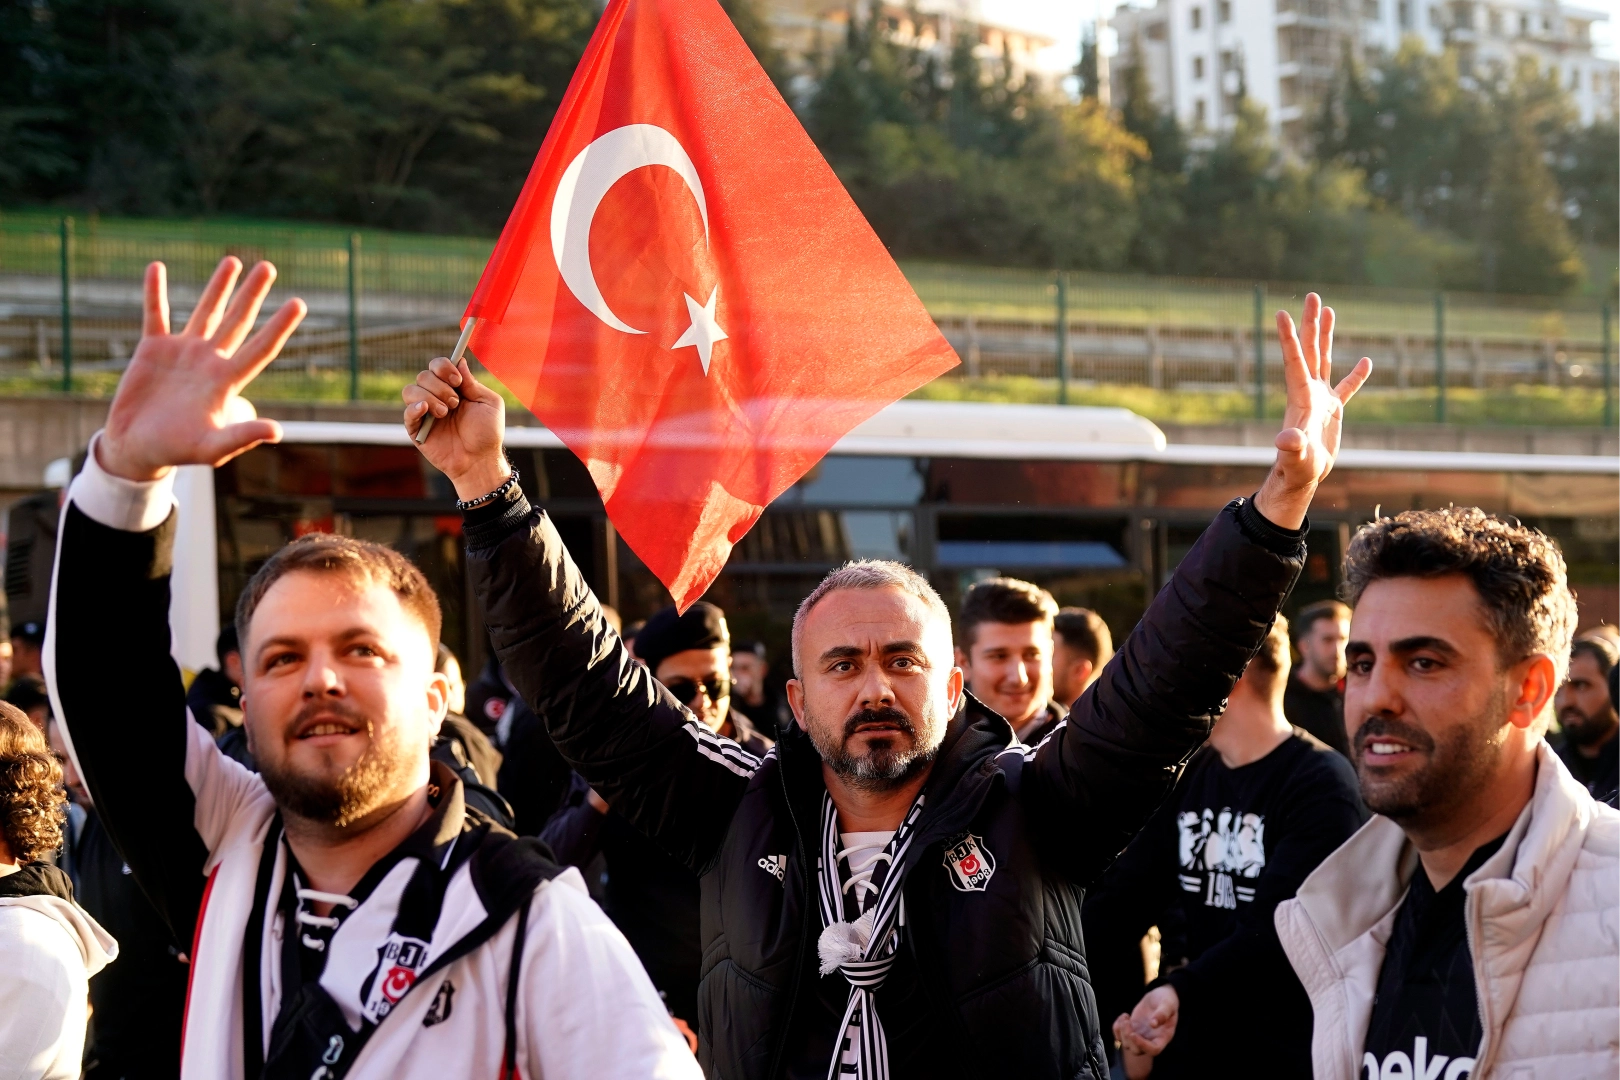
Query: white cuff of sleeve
(130, 505)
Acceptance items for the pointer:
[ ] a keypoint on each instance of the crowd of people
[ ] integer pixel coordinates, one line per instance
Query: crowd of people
(1374, 841)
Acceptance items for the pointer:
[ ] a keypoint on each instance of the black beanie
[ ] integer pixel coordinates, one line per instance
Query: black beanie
(667, 633)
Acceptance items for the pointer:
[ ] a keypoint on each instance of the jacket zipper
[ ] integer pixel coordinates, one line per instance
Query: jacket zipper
(778, 1059)
(1470, 914)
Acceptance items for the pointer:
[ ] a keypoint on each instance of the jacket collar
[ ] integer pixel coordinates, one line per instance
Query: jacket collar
(1358, 885)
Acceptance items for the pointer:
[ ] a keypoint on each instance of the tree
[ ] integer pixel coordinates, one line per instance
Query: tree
(1528, 247)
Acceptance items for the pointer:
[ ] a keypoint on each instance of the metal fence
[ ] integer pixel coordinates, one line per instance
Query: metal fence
(381, 302)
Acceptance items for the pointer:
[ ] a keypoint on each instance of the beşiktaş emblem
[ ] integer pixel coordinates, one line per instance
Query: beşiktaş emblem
(774, 865)
(443, 1002)
(970, 863)
(399, 961)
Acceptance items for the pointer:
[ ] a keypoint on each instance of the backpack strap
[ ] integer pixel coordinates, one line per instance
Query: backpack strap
(509, 1069)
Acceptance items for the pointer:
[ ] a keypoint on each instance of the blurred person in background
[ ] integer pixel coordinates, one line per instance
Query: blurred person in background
(1081, 645)
(1259, 806)
(750, 689)
(487, 700)
(651, 896)
(27, 639)
(28, 693)
(1004, 648)
(215, 694)
(137, 1004)
(1591, 743)
(49, 945)
(1468, 929)
(464, 747)
(1315, 696)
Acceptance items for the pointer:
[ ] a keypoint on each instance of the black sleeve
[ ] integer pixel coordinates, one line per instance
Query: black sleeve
(673, 779)
(1095, 780)
(1319, 810)
(121, 699)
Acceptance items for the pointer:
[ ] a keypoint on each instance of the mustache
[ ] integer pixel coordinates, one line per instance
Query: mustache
(322, 711)
(888, 714)
(1376, 726)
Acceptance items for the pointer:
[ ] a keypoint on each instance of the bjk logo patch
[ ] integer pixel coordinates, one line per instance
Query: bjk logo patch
(399, 961)
(970, 863)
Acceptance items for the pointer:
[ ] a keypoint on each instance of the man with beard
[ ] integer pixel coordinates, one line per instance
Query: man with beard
(349, 913)
(894, 889)
(1486, 859)
(1591, 725)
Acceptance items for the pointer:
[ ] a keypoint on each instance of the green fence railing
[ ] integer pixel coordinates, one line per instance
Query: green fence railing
(69, 316)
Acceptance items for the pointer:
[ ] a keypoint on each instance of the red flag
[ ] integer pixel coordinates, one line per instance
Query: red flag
(686, 295)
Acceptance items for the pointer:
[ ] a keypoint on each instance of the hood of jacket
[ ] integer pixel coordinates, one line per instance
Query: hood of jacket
(42, 888)
(1336, 929)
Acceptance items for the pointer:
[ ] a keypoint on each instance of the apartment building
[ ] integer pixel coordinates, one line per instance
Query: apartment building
(1202, 56)
(806, 29)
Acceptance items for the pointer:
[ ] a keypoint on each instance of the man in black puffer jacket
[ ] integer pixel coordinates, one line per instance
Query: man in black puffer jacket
(895, 889)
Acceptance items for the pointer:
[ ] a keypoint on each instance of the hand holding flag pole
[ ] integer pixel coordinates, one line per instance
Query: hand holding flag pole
(426, 428)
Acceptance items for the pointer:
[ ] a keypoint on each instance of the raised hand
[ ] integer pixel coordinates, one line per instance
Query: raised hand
(1314, 419)
(179, 402)
(469, 420)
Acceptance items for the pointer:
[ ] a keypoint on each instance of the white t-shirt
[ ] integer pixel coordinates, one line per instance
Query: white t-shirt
(862, 852)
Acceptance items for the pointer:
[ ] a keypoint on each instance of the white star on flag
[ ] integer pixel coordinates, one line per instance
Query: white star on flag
(704, 331)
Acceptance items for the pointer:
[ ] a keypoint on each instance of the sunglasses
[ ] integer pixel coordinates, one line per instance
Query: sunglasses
(687, 690)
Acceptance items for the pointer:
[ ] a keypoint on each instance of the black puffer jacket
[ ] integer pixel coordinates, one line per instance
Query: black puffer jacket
(990, 981)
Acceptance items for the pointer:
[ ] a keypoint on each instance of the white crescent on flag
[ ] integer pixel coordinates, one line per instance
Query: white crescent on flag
(594, 170)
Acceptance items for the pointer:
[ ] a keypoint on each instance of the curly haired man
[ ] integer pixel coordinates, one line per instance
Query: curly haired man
(49, 946)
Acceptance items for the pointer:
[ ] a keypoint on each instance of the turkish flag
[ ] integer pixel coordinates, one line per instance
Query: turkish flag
(685, 294)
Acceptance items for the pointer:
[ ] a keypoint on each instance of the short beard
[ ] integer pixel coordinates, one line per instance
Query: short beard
(1459, 764)
(1583, 730)
(356, 792)
(885, 766)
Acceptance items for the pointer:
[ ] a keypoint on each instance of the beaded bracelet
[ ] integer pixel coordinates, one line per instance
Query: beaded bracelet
(473, 504)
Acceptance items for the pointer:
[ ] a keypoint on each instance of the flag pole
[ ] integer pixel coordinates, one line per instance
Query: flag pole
(426, 427)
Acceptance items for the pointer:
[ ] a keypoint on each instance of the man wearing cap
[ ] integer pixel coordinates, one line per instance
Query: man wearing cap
(654, 898)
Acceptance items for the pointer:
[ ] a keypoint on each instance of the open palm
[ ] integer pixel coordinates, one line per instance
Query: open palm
(179, 402)
(1313, 421)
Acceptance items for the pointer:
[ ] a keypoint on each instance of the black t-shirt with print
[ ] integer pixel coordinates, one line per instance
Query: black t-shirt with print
(1209, 869)
(1426, 1008)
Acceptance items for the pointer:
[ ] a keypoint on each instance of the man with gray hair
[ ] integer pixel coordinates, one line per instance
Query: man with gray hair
(1468, 930)
(894, 889)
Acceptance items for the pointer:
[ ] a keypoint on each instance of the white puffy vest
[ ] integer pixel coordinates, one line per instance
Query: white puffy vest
(1543, 918)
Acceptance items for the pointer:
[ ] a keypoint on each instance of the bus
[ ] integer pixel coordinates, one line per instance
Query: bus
(1091, 503)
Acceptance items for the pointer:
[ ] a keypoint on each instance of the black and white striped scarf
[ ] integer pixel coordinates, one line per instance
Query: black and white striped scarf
(862, 946)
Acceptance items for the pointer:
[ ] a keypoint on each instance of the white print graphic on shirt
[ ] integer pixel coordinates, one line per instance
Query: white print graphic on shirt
(970, 863)
(1419, 1066)
(398, 962)
(1218, 850)
(774, 865)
